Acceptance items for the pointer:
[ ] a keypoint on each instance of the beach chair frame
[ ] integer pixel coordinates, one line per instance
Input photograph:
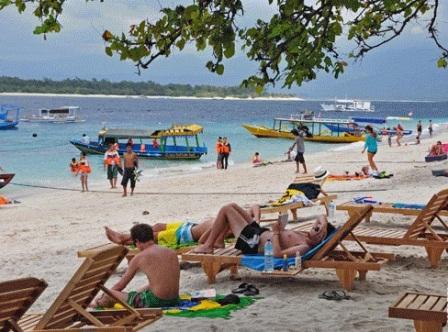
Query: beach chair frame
(348, 264)
(69, 311)
(428, 311)
(16, 297)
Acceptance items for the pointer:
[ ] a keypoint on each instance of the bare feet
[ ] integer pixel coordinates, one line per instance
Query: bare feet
(124, 195)
(203, 249)
(115, 237)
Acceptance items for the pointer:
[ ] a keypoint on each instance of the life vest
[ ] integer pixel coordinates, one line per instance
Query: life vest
(218, 147)
(84, 167)
(74, 167)
(225, 148)
(112, 159)
(4, 200)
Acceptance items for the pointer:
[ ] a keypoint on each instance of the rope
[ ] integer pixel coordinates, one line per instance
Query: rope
(184, 193)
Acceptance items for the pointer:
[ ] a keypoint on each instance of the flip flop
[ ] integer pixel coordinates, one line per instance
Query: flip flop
(251, 291)
(241, 288)
(334, 296)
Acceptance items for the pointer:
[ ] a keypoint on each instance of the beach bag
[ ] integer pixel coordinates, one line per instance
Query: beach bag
(310, 190)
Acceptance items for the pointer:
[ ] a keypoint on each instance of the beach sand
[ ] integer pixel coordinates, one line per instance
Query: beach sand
(40, 238)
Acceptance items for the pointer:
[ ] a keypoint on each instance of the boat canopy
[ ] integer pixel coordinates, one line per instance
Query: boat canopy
(179, 130)
(315, 120)
(125, 133)
(369, 120)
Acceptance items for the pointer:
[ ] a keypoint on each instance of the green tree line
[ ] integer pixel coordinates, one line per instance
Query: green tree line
(149, 88)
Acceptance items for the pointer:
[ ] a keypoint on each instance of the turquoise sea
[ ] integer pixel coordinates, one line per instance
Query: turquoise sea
(44, 159)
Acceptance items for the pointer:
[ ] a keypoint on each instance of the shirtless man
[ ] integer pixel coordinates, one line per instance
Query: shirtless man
(180, 232)
(130, 161)
(161, 267)
(251, 238)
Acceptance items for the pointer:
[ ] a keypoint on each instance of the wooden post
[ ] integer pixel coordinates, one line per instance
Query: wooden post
(427, 326)
(211, 269)
(346, 277)
(434, 255)
(362, 275)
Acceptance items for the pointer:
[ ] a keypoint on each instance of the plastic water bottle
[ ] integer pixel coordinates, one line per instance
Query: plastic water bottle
(268, 257)
(298, 261)
(331, 210)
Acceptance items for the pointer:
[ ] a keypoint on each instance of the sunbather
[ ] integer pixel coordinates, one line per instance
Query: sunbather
(161, 267)
(251, 238)
(178, 233)
(436, 149)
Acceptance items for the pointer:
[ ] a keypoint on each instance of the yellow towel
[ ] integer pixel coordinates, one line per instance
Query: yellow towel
(206, 304)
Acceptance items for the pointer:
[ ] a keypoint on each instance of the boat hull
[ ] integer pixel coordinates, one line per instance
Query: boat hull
(5, 179)
(51, 121)
(8, 125)
(265, 132)
(170, 153)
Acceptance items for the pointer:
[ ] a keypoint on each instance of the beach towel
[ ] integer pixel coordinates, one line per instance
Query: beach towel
(346, 177)
(408, 206)
(293, 196)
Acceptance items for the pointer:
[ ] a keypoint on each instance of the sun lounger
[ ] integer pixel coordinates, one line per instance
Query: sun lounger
(346, 263)
(293, 207)
(386, 208)
(69, 311)
(429, 312)
(420, 233)
(16, 297)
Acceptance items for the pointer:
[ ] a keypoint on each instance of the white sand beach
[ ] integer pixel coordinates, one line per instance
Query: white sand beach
(40, 238)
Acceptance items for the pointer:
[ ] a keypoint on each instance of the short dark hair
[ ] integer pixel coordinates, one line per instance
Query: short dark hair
(142, 233)
(83, 154)
(129, 145)
(369, 128)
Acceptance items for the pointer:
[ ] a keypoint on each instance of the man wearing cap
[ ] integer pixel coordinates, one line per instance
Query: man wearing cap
(299, 143)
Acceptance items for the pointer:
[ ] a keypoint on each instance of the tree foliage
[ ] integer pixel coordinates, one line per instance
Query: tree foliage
(298, 41)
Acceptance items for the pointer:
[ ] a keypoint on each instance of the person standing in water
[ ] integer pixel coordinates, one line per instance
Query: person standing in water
(399, 131)
(299, 143)
(218, 149)
(226, 149)
(419, 130)
(372, 147)
(84, 171)
(111, 163)
(430, 129)
(130, 163)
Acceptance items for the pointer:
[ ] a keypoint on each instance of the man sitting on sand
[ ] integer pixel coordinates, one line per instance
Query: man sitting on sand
(178, 233)
(161, 267)
(251, 238)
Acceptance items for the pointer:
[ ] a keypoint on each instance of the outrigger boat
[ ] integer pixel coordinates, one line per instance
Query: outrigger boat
(180, 142)
(64, 114)
(342, 131)
(5, 178)
(6, 121)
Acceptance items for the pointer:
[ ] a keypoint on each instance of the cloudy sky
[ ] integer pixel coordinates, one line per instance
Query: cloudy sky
(404, 69)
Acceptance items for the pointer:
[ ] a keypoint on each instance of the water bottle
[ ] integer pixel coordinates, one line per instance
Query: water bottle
(285, 263)
(298, 261)
(268, 257)
(331, 210)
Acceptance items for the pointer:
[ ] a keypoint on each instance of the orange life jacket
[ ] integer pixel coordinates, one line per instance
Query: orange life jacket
(74, 167)
(110, 160)
(225, 148)
(218, 147)
(84, 168)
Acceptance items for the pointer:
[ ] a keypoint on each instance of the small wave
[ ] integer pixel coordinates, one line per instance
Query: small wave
(351, 146)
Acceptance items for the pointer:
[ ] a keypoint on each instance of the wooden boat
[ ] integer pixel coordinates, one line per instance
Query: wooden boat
(318, 129)
(64, 114)
(6, 121)
(180, 142)
(5, 178)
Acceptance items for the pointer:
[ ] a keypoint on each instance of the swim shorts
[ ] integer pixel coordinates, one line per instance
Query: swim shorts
(249, 239)
(183, 233)
(147, 299)
(175, 234)
(299, 158)
(112, 172)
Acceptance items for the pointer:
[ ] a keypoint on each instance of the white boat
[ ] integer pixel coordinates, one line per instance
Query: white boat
(348, 105)
(64, 114)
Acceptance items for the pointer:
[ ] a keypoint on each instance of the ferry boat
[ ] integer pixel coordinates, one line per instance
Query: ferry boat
(320, 130)
(64, 114)
(348, 105)
(5, 178)
(6, 120)
(179, 142)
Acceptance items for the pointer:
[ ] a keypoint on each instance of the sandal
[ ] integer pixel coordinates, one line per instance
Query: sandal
(335, 295)
(241, 288)
(251, 290)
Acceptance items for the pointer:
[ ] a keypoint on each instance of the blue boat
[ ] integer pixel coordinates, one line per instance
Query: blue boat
(356, 125)
(6, 120)
(180, 142)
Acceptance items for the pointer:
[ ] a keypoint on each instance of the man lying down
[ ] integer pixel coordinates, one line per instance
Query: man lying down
(251, 238)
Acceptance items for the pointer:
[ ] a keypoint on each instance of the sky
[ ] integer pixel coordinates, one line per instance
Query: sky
(405, 69)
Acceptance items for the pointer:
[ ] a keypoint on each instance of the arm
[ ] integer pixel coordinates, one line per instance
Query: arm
(127, 277)
(323, 192)
(292, 147)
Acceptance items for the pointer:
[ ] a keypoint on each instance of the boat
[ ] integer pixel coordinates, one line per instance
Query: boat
(319, 129)
(5, 178)
(64, 114)
(348, 105)
(6, 120)
(179, 142)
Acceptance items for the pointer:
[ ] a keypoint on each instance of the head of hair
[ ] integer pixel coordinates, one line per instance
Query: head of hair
(83, 135)
(73, 160)
(142, 233)
(257, 154)
(129, 145)
(219, 137)
(439, 142)
(83, 154)
(294, 132)
(369, 128)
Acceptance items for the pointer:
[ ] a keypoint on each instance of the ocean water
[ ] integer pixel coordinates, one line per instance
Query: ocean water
(44, 159)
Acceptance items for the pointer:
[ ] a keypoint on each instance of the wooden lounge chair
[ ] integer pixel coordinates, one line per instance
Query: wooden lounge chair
(346, 263)
(429, 312)
(69, 311)
(387, 208)
(16, 297)
(293, 207)
(420, 233)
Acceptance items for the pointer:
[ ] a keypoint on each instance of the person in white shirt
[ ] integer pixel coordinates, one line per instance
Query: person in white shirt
(85, 139)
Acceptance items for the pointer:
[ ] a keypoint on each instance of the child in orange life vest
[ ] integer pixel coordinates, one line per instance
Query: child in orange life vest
(84, 170)
(219, 155)
(74, 166)
(112, 162)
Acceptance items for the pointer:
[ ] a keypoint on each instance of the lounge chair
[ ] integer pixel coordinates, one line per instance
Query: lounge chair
(387, 207)
(429, 312)
(346, 263)
(420, 233)
(69, 311)
(16, 297)
(293, 207)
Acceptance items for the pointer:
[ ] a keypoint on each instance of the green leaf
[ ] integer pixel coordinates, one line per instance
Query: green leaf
(229, 51)
(108, 51)
(220, 69)
(442, 63)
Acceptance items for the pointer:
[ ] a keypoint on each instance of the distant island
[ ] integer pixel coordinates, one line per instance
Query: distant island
(127, 88)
